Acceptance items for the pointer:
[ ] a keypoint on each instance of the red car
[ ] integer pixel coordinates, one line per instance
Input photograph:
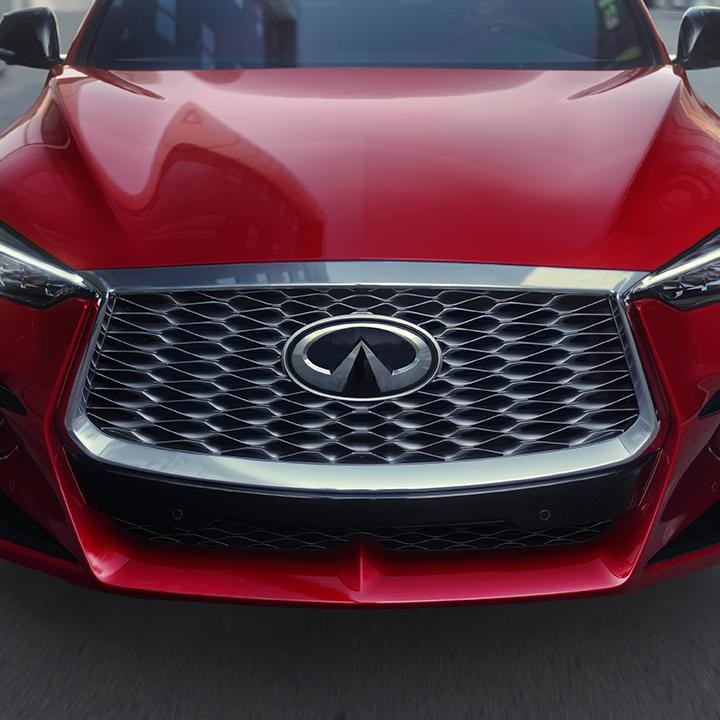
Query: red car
(361, 302)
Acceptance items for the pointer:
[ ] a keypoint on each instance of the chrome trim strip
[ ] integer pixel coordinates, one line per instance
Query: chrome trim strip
(373, 273)
(370, 479)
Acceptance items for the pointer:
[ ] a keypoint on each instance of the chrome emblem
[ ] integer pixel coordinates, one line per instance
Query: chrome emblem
(362, 358)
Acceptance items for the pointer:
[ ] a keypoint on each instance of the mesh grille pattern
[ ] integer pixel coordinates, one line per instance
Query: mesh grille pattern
(523, 372)
(233, 534)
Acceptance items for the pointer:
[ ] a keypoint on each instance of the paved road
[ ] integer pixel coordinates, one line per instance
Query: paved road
(70, 653)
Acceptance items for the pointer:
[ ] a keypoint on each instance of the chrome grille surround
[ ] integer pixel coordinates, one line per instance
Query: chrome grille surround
(443, 298)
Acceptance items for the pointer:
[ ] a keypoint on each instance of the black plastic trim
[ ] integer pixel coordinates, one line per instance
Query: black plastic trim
(703, 533)
(712, 407)
(31, 37)
(10, 401)
(697, 45)
(18, 528)
(576, 501)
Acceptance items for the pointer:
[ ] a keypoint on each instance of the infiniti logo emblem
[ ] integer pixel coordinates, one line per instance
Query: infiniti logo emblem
(362, 358)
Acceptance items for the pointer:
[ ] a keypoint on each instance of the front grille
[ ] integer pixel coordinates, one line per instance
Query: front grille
(238, 535)
(201, 371)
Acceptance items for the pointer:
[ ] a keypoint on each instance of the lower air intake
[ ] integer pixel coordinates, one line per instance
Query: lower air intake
(17, 527)
(242, 536)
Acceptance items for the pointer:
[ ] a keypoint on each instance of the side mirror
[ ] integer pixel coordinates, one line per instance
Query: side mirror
(699, 44)
(30, 38)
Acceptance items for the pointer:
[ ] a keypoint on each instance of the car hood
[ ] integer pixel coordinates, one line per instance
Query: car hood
(565, 168)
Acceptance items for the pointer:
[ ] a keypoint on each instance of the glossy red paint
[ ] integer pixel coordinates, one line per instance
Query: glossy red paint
(607, 169)
(578, 169)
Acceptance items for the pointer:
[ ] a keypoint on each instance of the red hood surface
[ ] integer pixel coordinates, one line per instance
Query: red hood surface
(565, 168)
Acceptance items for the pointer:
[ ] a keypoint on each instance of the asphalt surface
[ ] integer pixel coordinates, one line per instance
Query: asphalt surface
(70, 653)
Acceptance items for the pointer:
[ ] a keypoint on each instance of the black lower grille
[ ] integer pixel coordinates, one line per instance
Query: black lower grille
(172, 510)
(239, 535)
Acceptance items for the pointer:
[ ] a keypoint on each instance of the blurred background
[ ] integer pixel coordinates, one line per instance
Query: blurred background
(70, 653)
(19, 87)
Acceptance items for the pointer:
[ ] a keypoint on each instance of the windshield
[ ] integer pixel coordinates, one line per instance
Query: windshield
(210, 34)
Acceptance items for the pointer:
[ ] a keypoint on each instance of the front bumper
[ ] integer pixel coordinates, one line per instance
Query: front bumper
(679, 483)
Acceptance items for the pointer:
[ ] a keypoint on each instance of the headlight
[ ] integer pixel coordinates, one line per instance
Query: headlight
(30, 277)
(691, 281)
